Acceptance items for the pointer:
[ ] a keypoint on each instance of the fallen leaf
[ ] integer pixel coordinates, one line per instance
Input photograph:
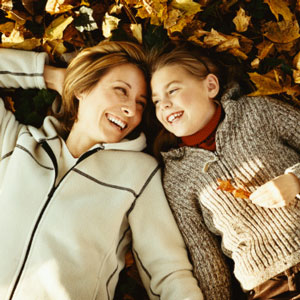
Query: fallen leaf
(266, 84)
(264, 49)
(9, 104)
(28, 44)
(241, 21)
(296, 61)
(109, 24)
(137, 32)
(55, 30)
(6, 5)
(226, 185)
(15, 37)
(280, 7)
(281, 32)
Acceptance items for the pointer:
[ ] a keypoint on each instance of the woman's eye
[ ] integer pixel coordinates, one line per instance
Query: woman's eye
(141, 103)
(121, 90)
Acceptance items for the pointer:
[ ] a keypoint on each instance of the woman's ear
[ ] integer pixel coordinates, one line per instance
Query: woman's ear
(212, 84)
(79, 95)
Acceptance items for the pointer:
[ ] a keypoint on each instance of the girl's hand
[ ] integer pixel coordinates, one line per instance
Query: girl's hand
(54, 78)
(279, 192)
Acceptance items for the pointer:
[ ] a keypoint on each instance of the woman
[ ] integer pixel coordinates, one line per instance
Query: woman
(76, 191)
(253, 142)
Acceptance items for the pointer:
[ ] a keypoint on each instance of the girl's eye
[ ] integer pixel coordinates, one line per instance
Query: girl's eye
(155, 102)
(172, 91)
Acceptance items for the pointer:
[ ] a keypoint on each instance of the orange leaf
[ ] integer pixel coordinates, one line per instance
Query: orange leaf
(226, 185)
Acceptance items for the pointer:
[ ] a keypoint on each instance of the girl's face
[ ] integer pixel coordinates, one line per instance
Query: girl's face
(184, 103)
(114, 106)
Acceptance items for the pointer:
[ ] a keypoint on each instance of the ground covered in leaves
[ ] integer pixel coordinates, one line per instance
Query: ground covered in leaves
(260, 37)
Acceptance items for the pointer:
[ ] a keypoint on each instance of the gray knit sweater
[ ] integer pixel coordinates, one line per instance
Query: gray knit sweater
(258, 140)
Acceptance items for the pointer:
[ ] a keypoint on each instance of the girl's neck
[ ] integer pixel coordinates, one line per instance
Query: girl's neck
(205, 137)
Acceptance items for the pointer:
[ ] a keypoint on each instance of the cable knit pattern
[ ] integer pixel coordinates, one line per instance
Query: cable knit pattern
(258, 140)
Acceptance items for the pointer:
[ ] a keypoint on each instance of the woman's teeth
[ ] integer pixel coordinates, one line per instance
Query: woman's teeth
(116, 121)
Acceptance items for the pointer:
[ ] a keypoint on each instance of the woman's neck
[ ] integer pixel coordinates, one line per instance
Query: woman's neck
(78, 142)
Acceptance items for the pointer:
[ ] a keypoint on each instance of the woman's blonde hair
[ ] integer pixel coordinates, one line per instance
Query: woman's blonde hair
(89, 66)
(195, 61)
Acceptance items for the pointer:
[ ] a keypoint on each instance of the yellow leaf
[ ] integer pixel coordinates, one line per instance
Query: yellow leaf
(57, 47)
(7, 27)
(6, 5)
(109, 24)
(296, 76)
(55, 30)
(28, 44)
(281, 32)
(173, 16)
(188, 6)
(155, 9)
(241, 21)
(15, 37)
(214, 38)
(280, 7)
(267, 84)
(137, 32)
(264, 49)
(57, 6)
(296, 61)
(18, 16)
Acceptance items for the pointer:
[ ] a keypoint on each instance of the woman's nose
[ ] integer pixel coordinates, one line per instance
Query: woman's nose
(129, 110)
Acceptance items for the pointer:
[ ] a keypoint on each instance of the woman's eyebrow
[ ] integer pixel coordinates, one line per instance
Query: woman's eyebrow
(119, 80)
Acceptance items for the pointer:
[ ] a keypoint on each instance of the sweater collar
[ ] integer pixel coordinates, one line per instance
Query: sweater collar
(208, 130)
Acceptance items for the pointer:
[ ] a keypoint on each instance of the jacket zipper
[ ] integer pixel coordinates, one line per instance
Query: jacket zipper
(49, 197)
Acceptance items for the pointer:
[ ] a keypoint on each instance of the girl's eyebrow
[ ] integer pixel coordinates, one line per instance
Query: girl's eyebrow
(167, 85)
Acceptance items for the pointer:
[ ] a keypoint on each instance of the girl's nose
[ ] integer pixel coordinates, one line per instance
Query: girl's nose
(166, 103)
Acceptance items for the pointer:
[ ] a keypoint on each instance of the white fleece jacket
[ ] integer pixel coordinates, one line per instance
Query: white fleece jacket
(67, 240)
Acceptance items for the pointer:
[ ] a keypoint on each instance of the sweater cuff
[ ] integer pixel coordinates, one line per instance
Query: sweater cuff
(296, 171)
(22, 69)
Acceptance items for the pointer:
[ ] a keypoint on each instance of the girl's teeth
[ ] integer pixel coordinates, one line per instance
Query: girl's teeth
(173, 117)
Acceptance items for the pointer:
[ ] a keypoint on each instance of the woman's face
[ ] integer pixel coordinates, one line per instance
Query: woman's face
(114, 106)
(184, 103)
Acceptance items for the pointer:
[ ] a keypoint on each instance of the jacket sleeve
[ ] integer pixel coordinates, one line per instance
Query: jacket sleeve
(158, 246)
(286, 121)
(22, 69)
(210, 266)
(18, 69)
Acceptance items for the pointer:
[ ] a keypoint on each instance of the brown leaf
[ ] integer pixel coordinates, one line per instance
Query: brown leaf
(267, 84)
(29, 5)
(280, 7)
(264, 49)
(241, 20)
(281, 32)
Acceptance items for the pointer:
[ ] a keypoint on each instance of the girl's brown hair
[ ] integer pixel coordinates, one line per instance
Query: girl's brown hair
(194, 60)
(89, 66)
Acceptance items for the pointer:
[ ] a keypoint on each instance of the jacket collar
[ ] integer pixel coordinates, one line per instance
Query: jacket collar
(52, 130)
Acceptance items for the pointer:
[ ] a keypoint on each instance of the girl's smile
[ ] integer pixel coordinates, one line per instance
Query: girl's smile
(184, 103)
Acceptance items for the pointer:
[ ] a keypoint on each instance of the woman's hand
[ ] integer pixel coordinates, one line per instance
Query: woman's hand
(279, 192)
(54, 78)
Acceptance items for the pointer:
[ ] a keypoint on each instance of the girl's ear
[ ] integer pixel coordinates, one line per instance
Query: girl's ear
(212, 84)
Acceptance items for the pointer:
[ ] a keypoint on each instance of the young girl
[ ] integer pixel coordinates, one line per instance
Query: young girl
(252, 143)
(77, 191)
